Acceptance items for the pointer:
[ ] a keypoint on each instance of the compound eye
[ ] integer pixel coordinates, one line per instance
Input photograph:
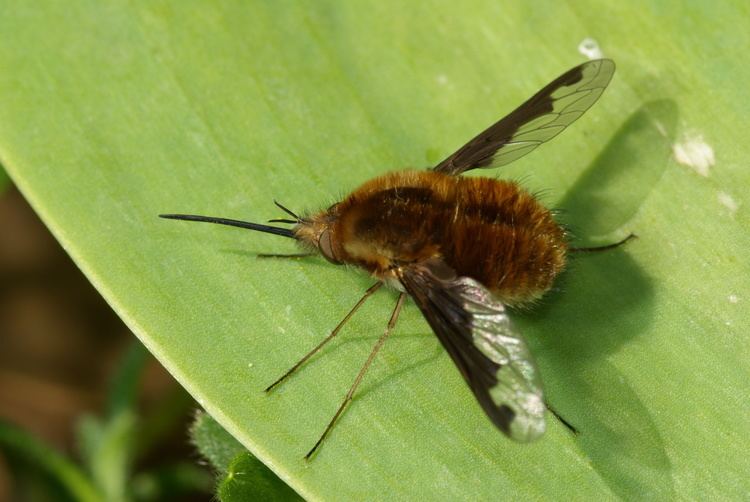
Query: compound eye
(326, 247)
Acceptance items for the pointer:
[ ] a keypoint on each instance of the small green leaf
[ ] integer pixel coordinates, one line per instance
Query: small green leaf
(123, 388)
(241, 476)
(213, 442)
(248, 479)
(170, 482)
(107, 450)
(19, 444)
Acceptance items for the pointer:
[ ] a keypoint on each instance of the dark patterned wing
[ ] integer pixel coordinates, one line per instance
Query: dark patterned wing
(539, 119)
(490, 353)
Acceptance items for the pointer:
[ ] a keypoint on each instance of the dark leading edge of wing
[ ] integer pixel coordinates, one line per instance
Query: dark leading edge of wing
(477, 333)
(539, 119)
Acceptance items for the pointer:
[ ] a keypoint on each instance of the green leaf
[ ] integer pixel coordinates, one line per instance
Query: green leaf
(171, 482)
(112, 112)
(107, 450)
(20, 446)
(109, 444)
(213, 442)
(123, 388)
(241, 476)
(248, 479)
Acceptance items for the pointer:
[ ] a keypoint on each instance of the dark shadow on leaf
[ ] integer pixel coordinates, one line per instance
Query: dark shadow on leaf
(614, 186)
(617, 432)
(315, 261)
(600, 303)
(418, 362)
(341, 342)
(604, 301)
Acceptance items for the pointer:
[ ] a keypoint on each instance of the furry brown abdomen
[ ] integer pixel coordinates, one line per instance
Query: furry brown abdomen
(490, 230)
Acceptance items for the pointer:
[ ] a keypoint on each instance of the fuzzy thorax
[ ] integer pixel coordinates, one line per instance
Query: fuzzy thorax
(490, 230)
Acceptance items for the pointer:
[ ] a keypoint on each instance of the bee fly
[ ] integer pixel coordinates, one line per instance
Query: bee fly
(463, 248)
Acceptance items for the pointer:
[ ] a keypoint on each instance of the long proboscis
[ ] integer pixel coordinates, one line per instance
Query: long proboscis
(284, 232)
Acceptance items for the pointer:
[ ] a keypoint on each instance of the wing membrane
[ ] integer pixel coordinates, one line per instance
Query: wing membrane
(490, 353)
(539, 119)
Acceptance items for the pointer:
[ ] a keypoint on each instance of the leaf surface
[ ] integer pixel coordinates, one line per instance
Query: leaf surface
(113, 112)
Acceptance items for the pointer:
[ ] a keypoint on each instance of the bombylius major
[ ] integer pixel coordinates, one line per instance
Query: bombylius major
(462, 248)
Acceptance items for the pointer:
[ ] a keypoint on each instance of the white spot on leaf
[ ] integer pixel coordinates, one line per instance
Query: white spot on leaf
(692, 151)
(733, 298)
(442, 79)
(728, 202)
(590, 48)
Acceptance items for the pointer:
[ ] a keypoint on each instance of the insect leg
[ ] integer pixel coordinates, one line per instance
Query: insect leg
(291, 255)
(596, 249)
(561, 419)
(327, 339)
(362, 371)
(287, 211)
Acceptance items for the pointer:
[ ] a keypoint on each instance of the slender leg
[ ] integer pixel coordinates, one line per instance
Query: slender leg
(362, 371)
(561, 419)
(327, 339)
(596, 249)
(291, 255)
